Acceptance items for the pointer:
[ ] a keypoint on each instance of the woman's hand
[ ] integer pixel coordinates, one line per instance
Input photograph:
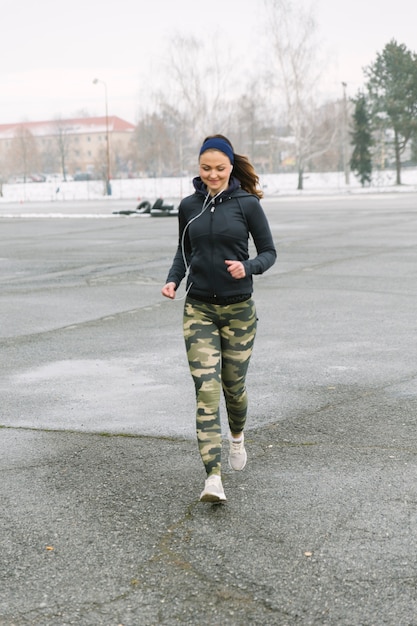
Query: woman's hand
(168, 290)
(236, 269)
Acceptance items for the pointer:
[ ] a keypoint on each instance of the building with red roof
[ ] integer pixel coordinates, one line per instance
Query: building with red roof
(69, 146)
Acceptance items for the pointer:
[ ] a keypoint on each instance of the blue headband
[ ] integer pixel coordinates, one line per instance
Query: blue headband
(215, 143)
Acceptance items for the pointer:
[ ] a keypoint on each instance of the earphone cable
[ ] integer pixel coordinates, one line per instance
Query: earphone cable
(206, 203)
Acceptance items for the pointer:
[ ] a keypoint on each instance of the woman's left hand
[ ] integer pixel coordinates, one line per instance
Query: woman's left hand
(236, 269)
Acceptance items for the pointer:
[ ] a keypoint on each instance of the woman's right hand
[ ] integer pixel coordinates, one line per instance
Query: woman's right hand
(168, 290)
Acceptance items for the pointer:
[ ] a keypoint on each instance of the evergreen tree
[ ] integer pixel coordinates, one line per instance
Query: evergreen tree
(361, 160)
(392, 90)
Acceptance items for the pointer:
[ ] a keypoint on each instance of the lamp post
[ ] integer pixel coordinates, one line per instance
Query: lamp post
(345, 136)
(108, 186)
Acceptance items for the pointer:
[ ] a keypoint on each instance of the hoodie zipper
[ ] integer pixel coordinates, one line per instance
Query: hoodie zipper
(212, 210)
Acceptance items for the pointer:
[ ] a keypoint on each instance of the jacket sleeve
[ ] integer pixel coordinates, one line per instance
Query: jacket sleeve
(178, 267)
(259, 228)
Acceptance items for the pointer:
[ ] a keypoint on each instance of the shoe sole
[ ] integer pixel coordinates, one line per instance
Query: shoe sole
(211, 497)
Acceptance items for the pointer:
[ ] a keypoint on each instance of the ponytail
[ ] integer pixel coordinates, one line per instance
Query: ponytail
(244, 171)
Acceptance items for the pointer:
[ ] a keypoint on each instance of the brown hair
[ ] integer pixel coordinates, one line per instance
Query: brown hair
(243, 170)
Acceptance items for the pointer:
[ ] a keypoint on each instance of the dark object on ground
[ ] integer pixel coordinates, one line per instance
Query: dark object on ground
(158, 209)
(144, 207)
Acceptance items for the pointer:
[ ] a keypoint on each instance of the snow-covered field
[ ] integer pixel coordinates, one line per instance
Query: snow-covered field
(175, 188)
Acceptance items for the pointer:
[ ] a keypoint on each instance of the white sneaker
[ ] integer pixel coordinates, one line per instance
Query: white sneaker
(213, 490)
(237, 453)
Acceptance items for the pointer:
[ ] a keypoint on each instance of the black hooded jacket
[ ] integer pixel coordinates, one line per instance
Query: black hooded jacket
(212, 230)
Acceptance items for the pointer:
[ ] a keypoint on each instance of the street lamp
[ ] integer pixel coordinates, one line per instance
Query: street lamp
(345, 147)
(108, 186)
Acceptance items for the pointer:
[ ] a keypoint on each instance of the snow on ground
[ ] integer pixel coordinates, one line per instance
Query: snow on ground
(172, 189)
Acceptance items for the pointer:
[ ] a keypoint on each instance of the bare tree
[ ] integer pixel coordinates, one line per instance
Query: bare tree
(297, 72)
(4, 169)
(23, 153)
(198, 84)
(62, 137)
(155, 152)
(254, 129)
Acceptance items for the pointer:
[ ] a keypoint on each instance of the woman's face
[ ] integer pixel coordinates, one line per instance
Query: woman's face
(215, 170)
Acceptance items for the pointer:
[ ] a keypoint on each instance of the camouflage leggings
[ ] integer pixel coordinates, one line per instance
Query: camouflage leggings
(219, 341)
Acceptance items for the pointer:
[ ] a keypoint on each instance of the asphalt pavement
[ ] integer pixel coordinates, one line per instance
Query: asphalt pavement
(100, 474)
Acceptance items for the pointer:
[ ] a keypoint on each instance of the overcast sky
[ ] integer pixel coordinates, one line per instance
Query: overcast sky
(51, 52)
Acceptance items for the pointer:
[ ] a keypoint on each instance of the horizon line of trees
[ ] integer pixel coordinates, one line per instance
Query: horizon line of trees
(276, 118)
